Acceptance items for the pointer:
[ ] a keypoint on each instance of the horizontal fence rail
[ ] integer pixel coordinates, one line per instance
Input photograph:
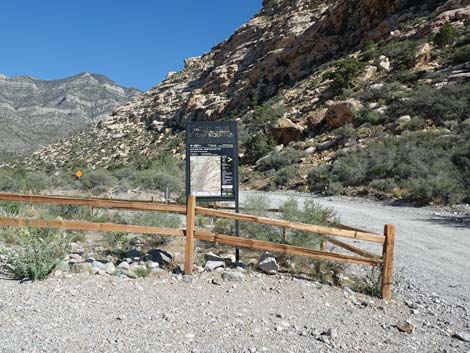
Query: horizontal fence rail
(94, 202)
(88, 226)
(360, 257)
(293, 225)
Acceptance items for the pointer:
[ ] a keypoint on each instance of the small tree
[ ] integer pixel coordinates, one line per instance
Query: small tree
(445, 36)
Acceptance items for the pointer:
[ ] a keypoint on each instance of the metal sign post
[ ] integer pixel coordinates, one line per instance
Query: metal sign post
(212, 163)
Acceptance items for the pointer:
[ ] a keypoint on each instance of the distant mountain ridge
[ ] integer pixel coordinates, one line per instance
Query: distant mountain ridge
(36, 112)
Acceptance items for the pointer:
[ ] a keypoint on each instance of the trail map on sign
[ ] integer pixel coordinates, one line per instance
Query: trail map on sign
(206, 175)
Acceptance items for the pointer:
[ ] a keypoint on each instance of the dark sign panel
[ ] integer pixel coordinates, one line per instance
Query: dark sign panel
(212, 160)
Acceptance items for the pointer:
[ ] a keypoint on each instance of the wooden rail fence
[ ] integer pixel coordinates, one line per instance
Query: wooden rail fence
(360, 256)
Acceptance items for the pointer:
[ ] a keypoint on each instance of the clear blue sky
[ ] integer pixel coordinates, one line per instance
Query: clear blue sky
(134, 42)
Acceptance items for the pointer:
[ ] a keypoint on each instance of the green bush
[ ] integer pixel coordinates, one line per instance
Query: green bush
(445, 36)
(257, 146)
(451, 102)
(157, 219)
(158, 180)
(114, 240)
(368, 116)
(345, 73)
(461, 54)
(310, 213)
(278, 160)
(259, 206)
(286, 175)
(423, 163)
(99, 180)
(37, 254)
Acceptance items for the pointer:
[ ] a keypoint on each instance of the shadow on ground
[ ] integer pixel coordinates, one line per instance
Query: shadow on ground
(452, 221)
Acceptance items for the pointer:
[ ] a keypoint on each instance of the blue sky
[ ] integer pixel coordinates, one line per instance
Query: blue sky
(134, 42)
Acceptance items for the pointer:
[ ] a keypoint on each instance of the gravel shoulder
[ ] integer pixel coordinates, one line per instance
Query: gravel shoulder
(163, 314)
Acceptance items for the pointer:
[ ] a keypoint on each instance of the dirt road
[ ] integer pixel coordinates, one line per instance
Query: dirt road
(432, 247)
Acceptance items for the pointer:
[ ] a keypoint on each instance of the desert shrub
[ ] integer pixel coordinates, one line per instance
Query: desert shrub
(402, 53)
(368, 116)
(461, 54)
(318, 178)
(345, 72)
(113, 240)
(277, 160)
(257, 146)
(224, 226)
(311, 213)
(445, 36)
(37, 253)
(165, 170)
(20, 180)
(99, 180)
(157, 219)
(286, 175)
(158, 180)
(345, 132)
(255, 132)
(420, 163)
(385, 185)
(75, 212)
(259, 206)
(390, 91)
(142, 271)
(451, 102)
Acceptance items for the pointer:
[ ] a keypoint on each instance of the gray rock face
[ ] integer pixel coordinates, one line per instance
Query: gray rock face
(34, 113)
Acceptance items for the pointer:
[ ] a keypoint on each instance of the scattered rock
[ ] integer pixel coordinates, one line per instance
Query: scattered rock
(162, 257)
(212, 265)
(109, 268)
(227, 259)
(232, 276)
(123, 265)
(341, 112)
(462, 336)
(133, 253)
(268, 264)
(286, 131)
(384, 63)
(406, 326)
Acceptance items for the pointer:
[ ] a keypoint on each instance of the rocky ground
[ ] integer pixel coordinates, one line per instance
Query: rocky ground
(204, 313)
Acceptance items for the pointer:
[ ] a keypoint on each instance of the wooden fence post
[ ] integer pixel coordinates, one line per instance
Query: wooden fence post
(190, 225)
(387, 271)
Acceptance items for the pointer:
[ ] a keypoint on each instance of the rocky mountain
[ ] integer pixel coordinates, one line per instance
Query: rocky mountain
(320, 88)
(35, 113)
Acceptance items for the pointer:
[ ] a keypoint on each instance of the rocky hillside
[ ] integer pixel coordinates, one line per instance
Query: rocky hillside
(35, 113)
(334, 96)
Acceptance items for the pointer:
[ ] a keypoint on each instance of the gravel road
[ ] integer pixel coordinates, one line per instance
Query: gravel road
(432, 251)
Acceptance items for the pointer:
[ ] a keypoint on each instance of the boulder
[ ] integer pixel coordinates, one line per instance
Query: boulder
(286, 131)
(370, 73)
(212, 265)
(227, 259)
(232, 276)
(315, 118)
(162, 257)
(341, 113)
(109, 268)
(384, 63)
(406, 326)
(268, 264)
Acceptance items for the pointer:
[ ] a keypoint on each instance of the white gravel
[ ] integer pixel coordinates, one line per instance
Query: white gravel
(259, 314)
